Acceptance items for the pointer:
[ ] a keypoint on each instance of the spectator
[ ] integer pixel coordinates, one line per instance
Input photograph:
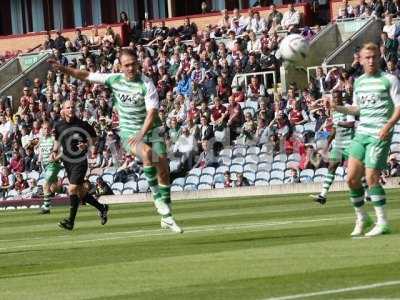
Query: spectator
(218, 115)
(185, 148)
(17, 163)
(59, 42)
(80, 39)
(49, 42)
(20, 183)
(109, 36)
(228, 182)
(102, 188)
(257, 24)
(249, 129)
(7, 182)
(241, 181)
(95, 39)
(223, 89)
(225, 22)
(360, 9)
(254, 44)
(206, 158)
(294, 177)
(274, 15)
(291, 17)
(255, 89)
(30, 160)
(187, 29)
(252, 65)
(126, 169)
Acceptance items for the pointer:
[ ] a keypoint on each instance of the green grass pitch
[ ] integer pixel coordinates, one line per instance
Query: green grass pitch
(273, 247)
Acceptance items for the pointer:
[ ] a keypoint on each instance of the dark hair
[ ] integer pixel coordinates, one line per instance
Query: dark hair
(128, 52)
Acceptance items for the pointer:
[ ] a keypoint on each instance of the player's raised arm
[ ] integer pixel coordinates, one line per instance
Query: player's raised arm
(79, 74)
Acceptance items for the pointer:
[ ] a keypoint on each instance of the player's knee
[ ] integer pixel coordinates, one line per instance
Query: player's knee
(73, 190)
(147, 155)
(353, 183)
(372, 179)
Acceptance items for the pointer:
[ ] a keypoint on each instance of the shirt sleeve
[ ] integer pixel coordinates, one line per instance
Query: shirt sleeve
(395, 91)
(151, 98)
(99, 77)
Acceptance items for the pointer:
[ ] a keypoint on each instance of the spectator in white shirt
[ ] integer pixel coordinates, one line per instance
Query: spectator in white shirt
(291, 17)
(389, 27)
(6, 128)
(257, 24)
(254, 44)
(186, 145)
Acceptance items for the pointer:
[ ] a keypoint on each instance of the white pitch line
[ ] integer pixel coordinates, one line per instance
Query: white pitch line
(193, 229)
(337, 291)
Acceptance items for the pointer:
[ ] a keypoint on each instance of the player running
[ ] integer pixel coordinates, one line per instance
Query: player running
(376, 100)
(340, 139)
(50, 167)
(136, 100)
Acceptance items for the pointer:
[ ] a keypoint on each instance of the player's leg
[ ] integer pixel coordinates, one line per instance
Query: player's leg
(88, 198)
(366, 189)
(355, 172)
(376, 156)
(167, 221)
(51, 172)
(329, 178)
(69, 222)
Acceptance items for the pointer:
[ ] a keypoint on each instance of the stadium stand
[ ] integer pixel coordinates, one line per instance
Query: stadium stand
(254, 130)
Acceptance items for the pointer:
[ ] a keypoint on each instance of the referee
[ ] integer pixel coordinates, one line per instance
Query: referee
(73, 137)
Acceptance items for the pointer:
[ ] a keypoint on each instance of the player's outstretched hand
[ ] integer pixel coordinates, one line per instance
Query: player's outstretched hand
(133, 142)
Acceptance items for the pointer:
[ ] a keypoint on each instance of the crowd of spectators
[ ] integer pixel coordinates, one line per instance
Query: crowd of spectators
(364, 9)
(200, 111)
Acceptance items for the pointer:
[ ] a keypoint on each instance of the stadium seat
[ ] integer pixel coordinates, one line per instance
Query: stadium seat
(250, 167)
(224, 160)
(265, 157)
(253, 150)
(220, 136)
(206, 178)
(288, 172)
(111, 171)
(280, 157)
(310, 126)
(299, 128)
(190, 187)
(195, 171)
(321, 171)
(226, 152)
(128, 192)
(396, 138)
(252, 158)
(131, 185)
(143, 186)
(192, 179)
(319, 178)
(261, 182)
(239, 152)
(118, 186)
(278, 166)
(262, 175)
(236, 168)
(176, 188)
(208, 170)
(204, 186)
(219, 178)
(108, 178)
(179, 181)
(275, 181)
(277, 174)
(238, 161)
(252, 104)
(251, 176)
(306, 179)
(221, 170)
(117, 191)
(294, 157)
(219, 185)
(307, 172)
(395, 147)
(264, 166)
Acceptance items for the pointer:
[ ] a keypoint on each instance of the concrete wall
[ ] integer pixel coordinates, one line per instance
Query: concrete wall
(369, 33)
(9, 70)
(14, 88)
(251, 191)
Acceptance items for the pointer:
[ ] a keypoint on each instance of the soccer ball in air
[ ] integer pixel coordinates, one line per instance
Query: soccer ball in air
(294, 48)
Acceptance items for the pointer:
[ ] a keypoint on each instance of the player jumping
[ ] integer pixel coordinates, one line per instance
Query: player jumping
(136, 100)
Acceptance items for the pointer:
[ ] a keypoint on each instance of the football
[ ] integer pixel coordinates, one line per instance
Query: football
(294, 48)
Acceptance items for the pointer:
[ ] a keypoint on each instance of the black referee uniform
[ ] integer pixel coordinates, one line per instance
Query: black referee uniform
(70, 135)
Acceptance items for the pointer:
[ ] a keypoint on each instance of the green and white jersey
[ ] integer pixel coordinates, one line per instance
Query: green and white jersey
(45, 148)
(132, 99)
(376, 97)
(343, 135)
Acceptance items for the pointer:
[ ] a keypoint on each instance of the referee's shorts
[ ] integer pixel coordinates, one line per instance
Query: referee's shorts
(76, 172)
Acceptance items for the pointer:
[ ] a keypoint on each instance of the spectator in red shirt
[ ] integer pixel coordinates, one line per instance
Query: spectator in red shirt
(17, 163)
(223, 90)
(218, 114)
(20, 183)
(238, 94)
(193, 113)
(227, 180)
(234, 117)
(255, 89)
(297, 116)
